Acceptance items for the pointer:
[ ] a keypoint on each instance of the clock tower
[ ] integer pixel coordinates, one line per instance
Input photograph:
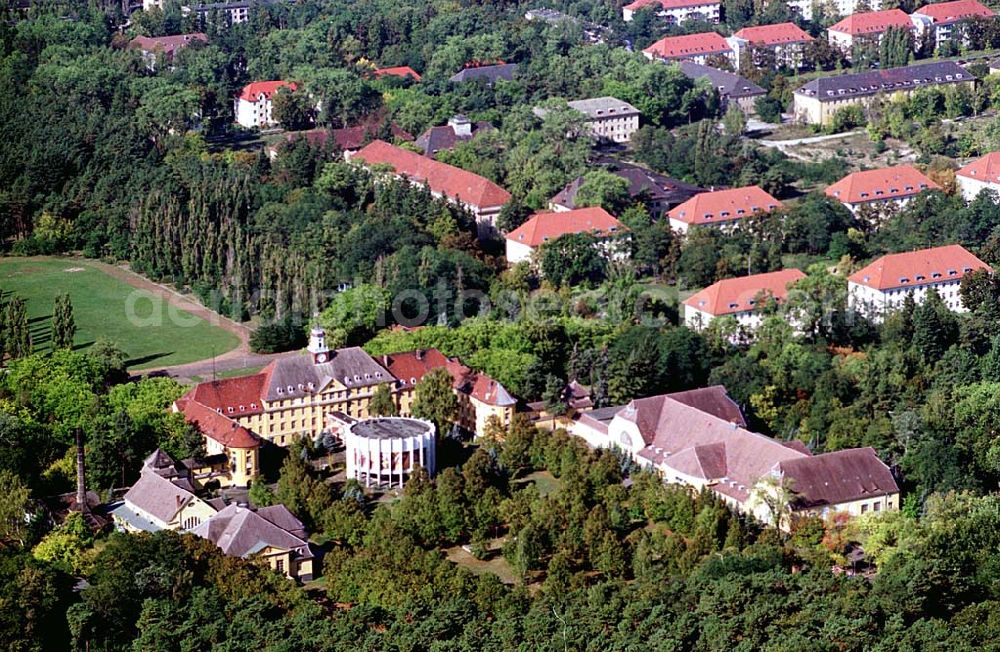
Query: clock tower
(317, 345)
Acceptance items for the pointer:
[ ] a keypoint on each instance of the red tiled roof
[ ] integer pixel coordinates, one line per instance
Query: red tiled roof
(542, 227)
(724, 205)
(773, 34)
(881, 184)
(266, 88)
(714, 400)
(734, 295)
(410, 366)
(669, 4)
(916, 268)
(217, 426)
(486, 390)
(346, 138)
(398, 71)
(167, 44)
(231, 393)
(872, 22)
(689, 45)
(985, 169)
(443, 179)
(952, 12)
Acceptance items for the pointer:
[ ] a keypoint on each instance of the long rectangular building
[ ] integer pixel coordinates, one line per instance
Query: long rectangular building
(819, 100)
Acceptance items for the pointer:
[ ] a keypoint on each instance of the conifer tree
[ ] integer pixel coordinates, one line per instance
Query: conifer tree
(63, 323)
(18, 336)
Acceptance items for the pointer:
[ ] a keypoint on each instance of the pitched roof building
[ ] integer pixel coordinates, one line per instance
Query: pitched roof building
(398, 71)
(695, 47)
(739, 297)
(487, 73)
(546, 227)
(480, 196)
(731, 87)
(676, 12)
(163, 498)
(458, 130)
(166, 47)
(870, 25)
(882, 286)
(608, 118)
(817, 101)
(298, 395)
(946, 13)
(722, 207)
(981, 174)
(658, 192)
(270, 533)
(785, 41)
(343, 140)
(252, 107)
(704, 444)
(896, 184)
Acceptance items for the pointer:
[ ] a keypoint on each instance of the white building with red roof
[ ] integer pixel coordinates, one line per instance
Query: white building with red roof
(870, 27)
(722, 208)
(944, 19)
(741, 298)
(777, 46)
(252, 107)
(480, 196)
(700, 48)
(676, 12)
(882, 286)
(699, 439)
(876, 188)
(540, 228)
(982, 174)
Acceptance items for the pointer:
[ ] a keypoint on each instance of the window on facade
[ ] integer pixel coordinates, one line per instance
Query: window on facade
(280, 565)
(864, 508)
(876, 507)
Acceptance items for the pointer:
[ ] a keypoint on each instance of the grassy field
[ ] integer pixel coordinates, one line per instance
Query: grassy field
(156, 334)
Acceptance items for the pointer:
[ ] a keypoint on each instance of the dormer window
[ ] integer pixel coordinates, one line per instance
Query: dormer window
(311, 385)
(230, 409)
(734, 305)
(936, 275)
(253, 406)
(368, 376)
(281, 391)
(290, 389)
(952, 272)
(904, 280)
(357, 378)
(920, 277)
(242, 409)
(413, 381)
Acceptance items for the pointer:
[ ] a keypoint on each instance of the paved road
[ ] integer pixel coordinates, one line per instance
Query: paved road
(807, 141)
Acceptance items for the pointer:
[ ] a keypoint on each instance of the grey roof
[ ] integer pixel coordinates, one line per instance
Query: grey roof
(298, 376)
(390, 428)
(603, 107)
(441, 138)
(280, 516)
(158, 496)
(828, 89)
(659, 187)
(728, 84)
(239, 531)
(123, 512)
(489, 73)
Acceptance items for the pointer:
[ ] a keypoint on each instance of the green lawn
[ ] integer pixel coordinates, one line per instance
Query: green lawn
(156, 334)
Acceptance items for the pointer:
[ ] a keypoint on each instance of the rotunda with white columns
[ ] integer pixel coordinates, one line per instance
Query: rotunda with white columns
(383, 452)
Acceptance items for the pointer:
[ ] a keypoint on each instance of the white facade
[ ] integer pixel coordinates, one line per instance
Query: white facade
(748, 320)
(875, 303)
(518, 252)
(253, 114)
(790, 55)
(386, 451)
(617, 129)
(970, 187)
(708, 13)
(840, 7)
(682, 227)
